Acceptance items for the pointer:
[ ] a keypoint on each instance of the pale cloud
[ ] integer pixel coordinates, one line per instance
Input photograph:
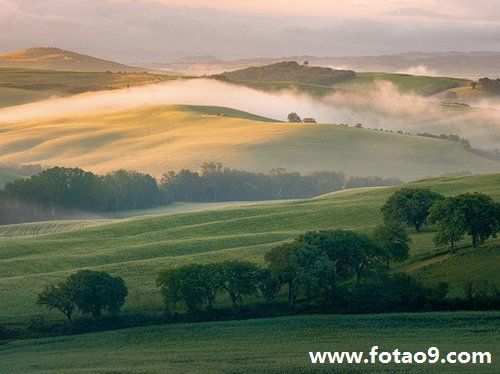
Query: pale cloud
(156, 30)
(460, 9)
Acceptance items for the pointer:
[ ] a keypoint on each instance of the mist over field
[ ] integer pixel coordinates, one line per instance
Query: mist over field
(379, 105)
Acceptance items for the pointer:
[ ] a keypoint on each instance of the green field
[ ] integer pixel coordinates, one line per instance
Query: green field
(422, 85)
(138, 248)
(278, 345)
(162, 138)
(405, 83)
(21, 86)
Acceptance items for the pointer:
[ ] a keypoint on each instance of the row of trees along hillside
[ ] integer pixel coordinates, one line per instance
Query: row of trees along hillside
(289, 71)
(320, 271)
(218, 183)
(62, 192)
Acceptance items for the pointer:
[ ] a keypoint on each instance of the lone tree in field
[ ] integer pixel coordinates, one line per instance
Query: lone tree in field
(294, 117)
(394, 238)
(96, 291)
(474, 214)
(410, 206)
(59, 296)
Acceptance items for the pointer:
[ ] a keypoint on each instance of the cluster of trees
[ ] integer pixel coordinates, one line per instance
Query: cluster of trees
(59, 191)
(69, 192)
(86, 291)
(490, 85)
(330, 270)
(289, 71)
(314, 268)
(473, 214)
(294, 117)
(218, 183)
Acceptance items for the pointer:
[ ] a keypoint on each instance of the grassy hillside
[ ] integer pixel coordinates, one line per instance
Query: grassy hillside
(419, 84)
(162, 138)
(137, 249)
(289, 71)
(278, 345)
(61, 60)
(21, 86)
(318, 83)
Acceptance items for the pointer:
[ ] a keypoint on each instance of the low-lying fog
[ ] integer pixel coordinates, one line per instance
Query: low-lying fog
(379, 106)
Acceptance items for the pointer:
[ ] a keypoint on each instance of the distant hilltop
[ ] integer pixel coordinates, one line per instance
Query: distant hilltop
(52, 58)
(289, 71)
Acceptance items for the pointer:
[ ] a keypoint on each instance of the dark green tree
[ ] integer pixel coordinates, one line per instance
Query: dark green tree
(410, 206)
(186, 284)
(305, 269)
(482, 216)
(450, 219)
(393, 237)
(352, 253)
(294, 117)
(239, 279)
(59, 296)
(95, 291)
(473, 213)
(269, 284)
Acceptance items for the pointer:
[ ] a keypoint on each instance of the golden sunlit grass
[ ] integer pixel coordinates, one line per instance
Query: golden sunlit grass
(161, 138)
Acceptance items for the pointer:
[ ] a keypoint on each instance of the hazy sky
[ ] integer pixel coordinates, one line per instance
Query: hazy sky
(155, 30)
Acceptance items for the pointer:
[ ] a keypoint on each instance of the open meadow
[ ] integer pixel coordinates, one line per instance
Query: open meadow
(276, 345)
(139, 247)
(276, 187)
(162, 138)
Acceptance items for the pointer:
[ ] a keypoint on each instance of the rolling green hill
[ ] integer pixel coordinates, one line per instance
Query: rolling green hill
(289, 71)
(162, 138)
(49, 58)
(277, 345)
(323, 81)
(21, 86)
(138, 248)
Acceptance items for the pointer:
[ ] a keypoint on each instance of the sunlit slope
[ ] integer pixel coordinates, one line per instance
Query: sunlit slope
(271, 345)
(21, 86)
(58, 59)
(139, 248)
(162, 138)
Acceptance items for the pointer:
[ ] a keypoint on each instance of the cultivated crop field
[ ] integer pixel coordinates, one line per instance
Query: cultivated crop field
(162, 138)
(277, 345)
(138, 248)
